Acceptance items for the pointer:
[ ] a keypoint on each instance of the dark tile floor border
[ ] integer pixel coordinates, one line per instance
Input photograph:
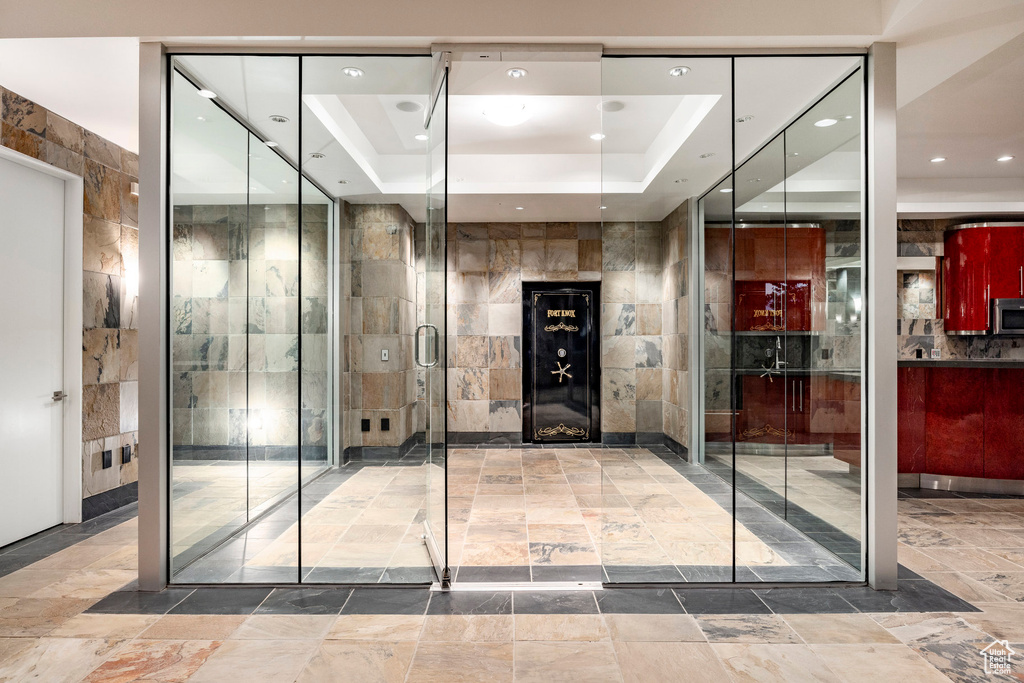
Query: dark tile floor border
(913, 595)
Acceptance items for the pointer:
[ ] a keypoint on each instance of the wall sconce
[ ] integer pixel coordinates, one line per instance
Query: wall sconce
(135, 189)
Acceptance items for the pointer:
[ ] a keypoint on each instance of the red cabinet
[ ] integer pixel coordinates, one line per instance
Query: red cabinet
(982, 262)
(965, 422)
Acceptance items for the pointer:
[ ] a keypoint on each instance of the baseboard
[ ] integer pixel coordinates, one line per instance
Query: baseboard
(94, 506)
(377, 453)
(497, 438)
(619, 438)
(674, 446)
(250, 453)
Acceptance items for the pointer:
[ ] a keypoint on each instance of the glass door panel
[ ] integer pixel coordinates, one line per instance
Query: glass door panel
(430, 340)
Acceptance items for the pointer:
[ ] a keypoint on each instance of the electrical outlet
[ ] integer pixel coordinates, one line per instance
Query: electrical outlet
(936, 354)
(385, 424)
(365, 425)
(108, 459)
(126, 454)
(384, 354)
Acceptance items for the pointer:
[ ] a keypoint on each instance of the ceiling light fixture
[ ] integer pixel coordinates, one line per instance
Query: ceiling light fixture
(277, 118)
(1005, 157)
(847, 117)
(343, 182)
(200, 118)
(270, 143)
(682, 180)
(317, 155)
(506, 111)
(284, 182)
(517, 72)
(408, 106)
(677, 71)
(597, 136)
(936, 160)
(727, 190)
(745, 118)
(707, 155)
(825, 123)
(352, 72)
(422, 137)
(603, 208)
(612, 106)
(519, 208)
(208, 94)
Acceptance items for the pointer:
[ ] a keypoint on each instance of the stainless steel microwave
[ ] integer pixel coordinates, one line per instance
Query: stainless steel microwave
(1008, 316)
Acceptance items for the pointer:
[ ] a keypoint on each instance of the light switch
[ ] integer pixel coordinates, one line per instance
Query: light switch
(383, 354)
(936, 354)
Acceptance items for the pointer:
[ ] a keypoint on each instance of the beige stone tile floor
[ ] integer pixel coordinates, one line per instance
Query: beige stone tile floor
(518, 508)
(974, 547)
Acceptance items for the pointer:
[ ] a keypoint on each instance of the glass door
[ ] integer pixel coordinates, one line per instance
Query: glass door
(430, 347)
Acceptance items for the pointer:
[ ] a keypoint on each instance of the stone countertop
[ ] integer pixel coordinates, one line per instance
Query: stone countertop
(980, 363)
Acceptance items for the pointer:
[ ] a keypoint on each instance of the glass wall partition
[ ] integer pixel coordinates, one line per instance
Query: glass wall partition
(297, 187)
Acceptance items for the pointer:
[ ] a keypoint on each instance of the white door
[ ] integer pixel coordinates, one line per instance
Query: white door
(31, 350)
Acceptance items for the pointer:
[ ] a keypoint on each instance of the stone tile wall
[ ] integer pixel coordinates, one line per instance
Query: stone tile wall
(672, 384)
(382, 315)
(110, 279)
(487, 265)
(237, 326)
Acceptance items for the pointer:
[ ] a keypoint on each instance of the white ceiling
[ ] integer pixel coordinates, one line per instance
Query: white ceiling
(960, 67)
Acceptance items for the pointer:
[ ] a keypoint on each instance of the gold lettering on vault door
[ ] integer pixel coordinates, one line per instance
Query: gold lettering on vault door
(558, 313)
(555, 313)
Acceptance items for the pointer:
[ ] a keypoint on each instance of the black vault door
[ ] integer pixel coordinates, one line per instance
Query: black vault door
(561, 381)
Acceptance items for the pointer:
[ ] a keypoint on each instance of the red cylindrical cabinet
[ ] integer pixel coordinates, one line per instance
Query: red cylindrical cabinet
(965, 277)
(983, 261)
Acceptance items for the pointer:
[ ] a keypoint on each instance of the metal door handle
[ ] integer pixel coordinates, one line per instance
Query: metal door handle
(59, 396)
(794, 396)
(801, 396)
(416, 346)
(1021, 270)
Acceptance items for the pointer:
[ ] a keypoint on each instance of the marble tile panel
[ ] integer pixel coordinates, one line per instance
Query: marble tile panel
(504, 287)
(504, 351)
(471, 319)
(618, 352)
(57, 659)
(649, 384)
(648, 352)
(155, 660)
(95, 479)
(618, 252)
(648, 287)
(863, 662)
(102, 192)
(23, 113)
(129, 162)
(471, 287)
(129, 406)
(210, 278)
(561, 255)
(618, 287)
(505, 255)
(648, 319)
(101, 150)
(504, 319)
(267, 659)
(534, 260)
(100, 357)
(646, 661)
(64, 133)
(101, 246)
(129, 202)
(477, 628)
(377, 627)
(506, 384)
(101, 301)
(473, 256)
(462, 662)
(618, 384)
(64, 158)
(589, 258)
(505, 416)
(560, 231)
(471, 384)
(618, 319)
(543, 662)
(101, 414)
(745, 661)
(22, 141)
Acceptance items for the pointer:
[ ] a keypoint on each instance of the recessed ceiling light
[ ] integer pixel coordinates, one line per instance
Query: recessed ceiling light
(408, 106)
(597, 136)
(208, 94)
(284, 182)
(825, 123)
(277, 118)
(764, 206)
(847, 117)
(1006, 157)
(726, 190)
(745, 118)
(352, 72)
(793, 154)
(253, 187)
(707, 155)
(677, 71)
(603, 208)
(936, 160)
(754, 180)
(200, 118)
(682, 180)
(517, 72)
(422, 137)
(317, 155)
(612, 106)
(506, 111)
(343, 182)
(519, 208)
